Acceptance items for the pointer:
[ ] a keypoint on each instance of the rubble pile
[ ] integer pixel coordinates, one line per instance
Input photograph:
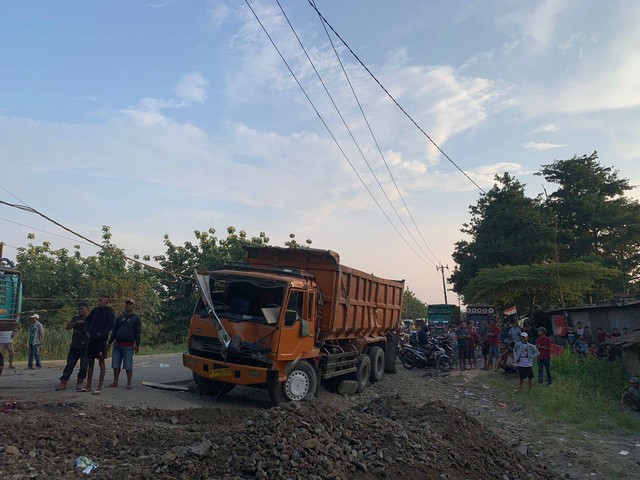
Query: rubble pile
(376, 437)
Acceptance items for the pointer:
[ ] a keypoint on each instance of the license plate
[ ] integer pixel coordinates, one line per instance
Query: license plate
(220, 372)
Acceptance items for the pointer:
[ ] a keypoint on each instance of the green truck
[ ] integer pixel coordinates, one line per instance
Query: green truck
(440, 316)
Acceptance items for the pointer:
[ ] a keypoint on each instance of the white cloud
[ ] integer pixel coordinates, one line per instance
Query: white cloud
(547, 128)
(191, 87)
(541, 146)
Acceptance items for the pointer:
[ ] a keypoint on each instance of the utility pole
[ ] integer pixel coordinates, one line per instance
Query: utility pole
(1, 245)
(444, 285)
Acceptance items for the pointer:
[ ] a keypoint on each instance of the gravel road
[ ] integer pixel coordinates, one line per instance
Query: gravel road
(413, 424)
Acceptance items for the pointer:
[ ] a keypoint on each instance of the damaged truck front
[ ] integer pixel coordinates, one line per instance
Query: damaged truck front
(289, 320)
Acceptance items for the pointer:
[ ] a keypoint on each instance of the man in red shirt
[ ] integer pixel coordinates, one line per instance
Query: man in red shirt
(543, 343)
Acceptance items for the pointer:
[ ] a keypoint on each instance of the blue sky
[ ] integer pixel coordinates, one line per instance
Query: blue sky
(162, 116)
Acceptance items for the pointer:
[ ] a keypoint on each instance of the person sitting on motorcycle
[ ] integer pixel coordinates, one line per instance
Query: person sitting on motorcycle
(423, 335)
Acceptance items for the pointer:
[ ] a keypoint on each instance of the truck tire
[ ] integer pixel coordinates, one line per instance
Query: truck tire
(363, 373)
(212, 387)
(301, 384)
(376, 356)
(391, 353)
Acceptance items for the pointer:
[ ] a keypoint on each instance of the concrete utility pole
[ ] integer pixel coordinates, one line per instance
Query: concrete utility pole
(444, 285)
(1, 245)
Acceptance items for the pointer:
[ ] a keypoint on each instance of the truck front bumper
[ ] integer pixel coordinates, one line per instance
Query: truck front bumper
(229, 372)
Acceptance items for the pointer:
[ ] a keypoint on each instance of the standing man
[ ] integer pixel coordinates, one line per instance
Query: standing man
(543, 344)
(6, 343)
(515, 333)
(78, 349)
(484, 342)
(36, 335)
(463, 336)
(100, 322)
(493, 339)
(524, 353)
(126, 335)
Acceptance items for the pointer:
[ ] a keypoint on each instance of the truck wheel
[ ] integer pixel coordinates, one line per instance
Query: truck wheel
(363, 373)
(376, 356)
(212, 387)
(391, 353)
(300, 385)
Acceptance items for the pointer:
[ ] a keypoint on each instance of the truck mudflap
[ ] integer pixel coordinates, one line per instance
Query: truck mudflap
(229, 372)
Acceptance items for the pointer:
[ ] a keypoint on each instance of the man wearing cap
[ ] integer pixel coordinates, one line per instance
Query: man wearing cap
(36, 335)
(126, 335)
(77, 349)
(100, 322)
(524, 353)
(631, 395)
(543, 344)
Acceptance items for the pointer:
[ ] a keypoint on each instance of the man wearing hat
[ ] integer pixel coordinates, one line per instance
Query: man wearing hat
(524, 353)
(631, 395)
(126, 335)
(36, 335)
(543, 344)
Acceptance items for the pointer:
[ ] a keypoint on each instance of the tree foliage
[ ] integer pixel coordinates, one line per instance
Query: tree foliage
(412, 307)
(528, 285)
(506, 228)
(596, 224)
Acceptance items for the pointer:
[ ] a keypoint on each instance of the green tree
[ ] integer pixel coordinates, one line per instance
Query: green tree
(506, 228)
(528, 285)
(54, 282)
(412, 307)
(596, 221)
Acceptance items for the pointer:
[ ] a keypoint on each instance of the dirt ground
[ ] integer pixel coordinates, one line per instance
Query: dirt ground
(412, 425)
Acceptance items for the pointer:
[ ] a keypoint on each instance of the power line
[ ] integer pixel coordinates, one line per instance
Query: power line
(347, 127)
(45, 231)
(329, 130)
(29, 209)
(375, 140)
(325, 21)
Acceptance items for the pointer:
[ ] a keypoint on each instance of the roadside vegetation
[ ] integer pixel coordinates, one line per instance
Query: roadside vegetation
(585, 395)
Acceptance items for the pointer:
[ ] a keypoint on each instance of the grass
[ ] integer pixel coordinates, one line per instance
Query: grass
(585, 394)
(55, 345)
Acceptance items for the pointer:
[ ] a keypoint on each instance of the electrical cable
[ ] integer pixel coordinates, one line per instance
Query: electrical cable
(44, 231)
(325, 21)
(375, 140)
(348, 129)
(29, 209)
(329, 130)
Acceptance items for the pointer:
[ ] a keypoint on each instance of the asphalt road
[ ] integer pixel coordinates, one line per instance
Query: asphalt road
(25, 385)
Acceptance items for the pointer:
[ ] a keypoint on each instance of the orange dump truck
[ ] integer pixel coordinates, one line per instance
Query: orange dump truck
(290, 319)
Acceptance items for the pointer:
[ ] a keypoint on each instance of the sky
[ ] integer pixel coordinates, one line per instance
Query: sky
(164, 117)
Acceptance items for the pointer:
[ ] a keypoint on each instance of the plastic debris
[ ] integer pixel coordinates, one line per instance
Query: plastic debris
(624, 452)
(86, 464)
(164, 365)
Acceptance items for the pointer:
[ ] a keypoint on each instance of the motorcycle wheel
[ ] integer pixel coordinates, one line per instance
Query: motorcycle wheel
(409, 361)
(443, 363)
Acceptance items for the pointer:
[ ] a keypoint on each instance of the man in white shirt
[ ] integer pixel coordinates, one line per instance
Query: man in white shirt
(6, 344)
(524, 353)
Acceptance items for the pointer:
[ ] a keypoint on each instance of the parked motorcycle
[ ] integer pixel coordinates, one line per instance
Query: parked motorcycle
(427, 356)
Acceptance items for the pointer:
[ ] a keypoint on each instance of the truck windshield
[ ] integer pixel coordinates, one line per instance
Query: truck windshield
(242, 299)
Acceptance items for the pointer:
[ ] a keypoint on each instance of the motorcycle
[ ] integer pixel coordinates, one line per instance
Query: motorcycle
(427, 356)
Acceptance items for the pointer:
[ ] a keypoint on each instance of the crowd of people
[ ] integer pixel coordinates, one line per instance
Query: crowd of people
(95, 333)
(515, 350)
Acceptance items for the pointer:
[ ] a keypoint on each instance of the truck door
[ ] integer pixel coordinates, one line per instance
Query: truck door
(298, 330)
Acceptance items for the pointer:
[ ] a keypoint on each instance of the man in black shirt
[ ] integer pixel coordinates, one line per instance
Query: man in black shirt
(126, 335)
(78, 348)
(100, 322)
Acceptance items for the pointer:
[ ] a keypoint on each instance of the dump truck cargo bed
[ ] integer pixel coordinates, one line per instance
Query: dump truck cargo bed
(355, 304)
